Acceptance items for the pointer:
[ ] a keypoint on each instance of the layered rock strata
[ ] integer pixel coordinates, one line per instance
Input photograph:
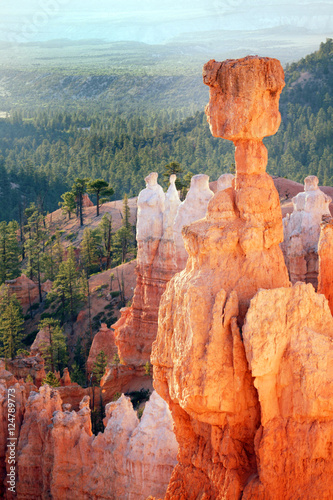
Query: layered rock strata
(199, 360)
(302, 230)
(131, 459)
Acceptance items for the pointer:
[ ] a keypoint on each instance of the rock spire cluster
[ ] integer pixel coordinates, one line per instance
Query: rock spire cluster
(302, 230)
(161, 253)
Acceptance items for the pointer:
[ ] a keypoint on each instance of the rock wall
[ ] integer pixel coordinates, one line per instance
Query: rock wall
(136, 329)
(325, 252)
(288, 341)
(60, 458)
(302, 230)
(246, 363)
(7, 380)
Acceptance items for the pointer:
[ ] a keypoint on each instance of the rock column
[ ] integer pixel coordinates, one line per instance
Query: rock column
(199, 359)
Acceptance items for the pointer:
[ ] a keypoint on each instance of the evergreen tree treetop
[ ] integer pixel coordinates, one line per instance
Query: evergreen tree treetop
(11, 325)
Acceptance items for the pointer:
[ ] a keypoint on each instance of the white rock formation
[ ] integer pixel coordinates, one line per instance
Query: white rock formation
(224, 181)
(193, 208)
(172, 203)
(150, 209)
(302, 230)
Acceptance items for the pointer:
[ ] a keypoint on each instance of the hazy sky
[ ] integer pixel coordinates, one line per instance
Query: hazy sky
(153, 21)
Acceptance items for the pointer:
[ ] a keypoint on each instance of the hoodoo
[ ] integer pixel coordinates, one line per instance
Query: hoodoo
(302, 230)
(230, 324)
(199, 359)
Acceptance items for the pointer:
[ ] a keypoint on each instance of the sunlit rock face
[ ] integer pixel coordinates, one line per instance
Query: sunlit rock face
(193, 208)
(136, 329)
(288, 337)
(302, 230)
(60, 458)
(103, 341)
(325, 252)
(199, 359)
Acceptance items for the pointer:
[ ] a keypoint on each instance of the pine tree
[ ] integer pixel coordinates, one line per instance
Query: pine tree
(11, 322)
(68, 288)
(54, 351)
(106, 230)
(122, 241)
(35, 239)
(68, 204)
(173, 168)
(124, 238)
(90, 249)
(126, 213)
(79, 188)
(53, 256)
(99, 187)
(78, 375)
(51, 380)
(99, 366)
(9, 251)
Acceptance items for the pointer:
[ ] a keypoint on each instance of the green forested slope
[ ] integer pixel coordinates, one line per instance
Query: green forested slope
(43, 152)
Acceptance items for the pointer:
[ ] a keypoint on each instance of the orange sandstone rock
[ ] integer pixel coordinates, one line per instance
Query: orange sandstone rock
(21, 367)
(60, 458)
(199, 359)
(288, 336)
(86, 201)
(33, 463)
(325, 252)
(65, 379)
(244, 97)
(103, 341)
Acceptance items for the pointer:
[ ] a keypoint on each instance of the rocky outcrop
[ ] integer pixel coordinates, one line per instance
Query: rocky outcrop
(199, 359)
(26, 290)
(224, 181)
(103, 341)
(288, 337)
(124, 378)
(21, 367)
(86, 201)
(136, 329)
(325, 252)
(41, 341)
(131, 459)
(193, 208)
(302, 230)
(65, 379)
(33, 460)
(17, 392)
